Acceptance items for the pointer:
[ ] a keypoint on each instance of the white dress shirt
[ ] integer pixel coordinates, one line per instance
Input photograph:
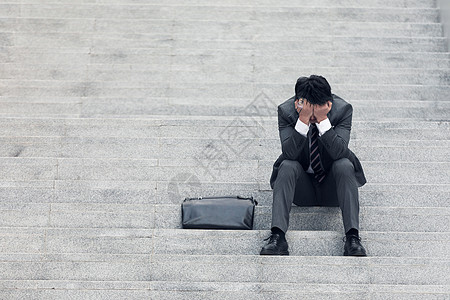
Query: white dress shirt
(303, 129)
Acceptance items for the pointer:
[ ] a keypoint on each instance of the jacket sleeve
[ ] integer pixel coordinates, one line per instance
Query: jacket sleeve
(292, 142)
(335, 140)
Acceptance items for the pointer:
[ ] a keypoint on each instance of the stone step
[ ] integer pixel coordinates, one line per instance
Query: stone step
(372, 218)
(238, 29)
(265, 47)
(119, 68)
(228, 134)
(163, 107)
(188, 148)
(188, 151)
(100, 75)
(385, 77)
(287, 3)
(124, 77)
(119, 29)
(216, 127)
(186, 185)
(213, 91)
(267, 4)
(179, 187)
(96, 241)
(205, 168)
(247, 12)
(192, 268)
(358, 92)
(261, 45)
(290, 291)
(301, 243)
(304, 269)
(152, 59)
(139, 108)
(54, 289)
(100, 86)
(227, 121)
(384, 110)
(168, 216)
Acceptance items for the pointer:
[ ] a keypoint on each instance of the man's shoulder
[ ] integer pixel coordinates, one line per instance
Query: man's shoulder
(339, 100)
(340, 104)
(287, 106)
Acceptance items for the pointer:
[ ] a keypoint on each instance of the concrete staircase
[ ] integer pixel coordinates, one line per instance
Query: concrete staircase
(113, 111)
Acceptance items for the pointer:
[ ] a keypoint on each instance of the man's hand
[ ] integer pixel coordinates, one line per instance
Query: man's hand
(306, 113)
(321, 111)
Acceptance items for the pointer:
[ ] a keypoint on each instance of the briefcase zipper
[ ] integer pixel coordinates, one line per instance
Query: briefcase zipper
(220, 197)
(228, 197)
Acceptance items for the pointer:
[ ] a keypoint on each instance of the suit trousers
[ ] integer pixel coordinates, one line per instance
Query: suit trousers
(294, 185)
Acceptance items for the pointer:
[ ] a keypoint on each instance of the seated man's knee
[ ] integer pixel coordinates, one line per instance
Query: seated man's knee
(343, 167)
(290, 167)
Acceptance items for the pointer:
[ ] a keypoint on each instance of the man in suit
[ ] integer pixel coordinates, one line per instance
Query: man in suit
(316, 167)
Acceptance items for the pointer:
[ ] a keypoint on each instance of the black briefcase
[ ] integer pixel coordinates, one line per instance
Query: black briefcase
(229, 212)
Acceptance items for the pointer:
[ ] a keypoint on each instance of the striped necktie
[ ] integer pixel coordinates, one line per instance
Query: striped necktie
(316, 165)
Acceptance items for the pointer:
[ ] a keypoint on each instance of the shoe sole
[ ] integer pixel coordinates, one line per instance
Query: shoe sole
(284, 253)
(355, 254)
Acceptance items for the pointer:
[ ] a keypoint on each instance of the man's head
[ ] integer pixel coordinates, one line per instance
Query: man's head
(315, 89)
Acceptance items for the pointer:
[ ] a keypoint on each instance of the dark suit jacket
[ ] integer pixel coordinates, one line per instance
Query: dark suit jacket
(333, 145)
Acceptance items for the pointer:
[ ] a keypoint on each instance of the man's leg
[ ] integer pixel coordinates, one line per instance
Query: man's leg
(342, 174)
(291, 178)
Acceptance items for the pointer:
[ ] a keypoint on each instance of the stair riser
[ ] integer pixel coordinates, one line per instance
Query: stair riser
(188, 149)
(328, 246)
(169, 216)
(234, 30)
(48, 76)
(204, 170)
(159, 90)
(260, 48)
(174, 192)
(187, 271)
(214, 292)
(268, 14)
(108, 111)
(76, 59)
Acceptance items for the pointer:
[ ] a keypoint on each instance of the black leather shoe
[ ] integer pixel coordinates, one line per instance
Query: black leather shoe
(353, 246)
(277, 245)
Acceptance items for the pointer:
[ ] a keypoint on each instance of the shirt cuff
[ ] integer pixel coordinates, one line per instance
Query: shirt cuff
(323, 126)
(301, 128)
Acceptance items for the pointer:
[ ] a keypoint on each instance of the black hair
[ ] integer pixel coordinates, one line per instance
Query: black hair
(315, 89)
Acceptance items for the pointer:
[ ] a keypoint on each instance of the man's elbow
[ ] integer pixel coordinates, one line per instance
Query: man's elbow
(341, 152)
(289, 154)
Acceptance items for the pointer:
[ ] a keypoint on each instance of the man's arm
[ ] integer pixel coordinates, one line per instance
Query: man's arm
(335, 140)
(292, 142)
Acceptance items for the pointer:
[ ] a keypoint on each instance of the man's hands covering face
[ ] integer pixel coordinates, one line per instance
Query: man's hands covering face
(306, 113)
(320, 112)
(312, 113)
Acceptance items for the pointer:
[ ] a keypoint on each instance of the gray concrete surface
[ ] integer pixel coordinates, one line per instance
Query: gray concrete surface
(113, 111)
